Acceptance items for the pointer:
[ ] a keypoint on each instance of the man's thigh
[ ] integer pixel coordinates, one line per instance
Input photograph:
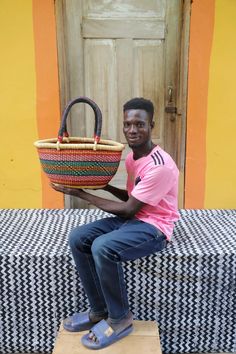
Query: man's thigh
(133, 239)
(87, 233)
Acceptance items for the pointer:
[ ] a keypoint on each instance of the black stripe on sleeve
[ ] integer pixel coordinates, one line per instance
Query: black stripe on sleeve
(153, 157)
(162, 160)
(157, 159)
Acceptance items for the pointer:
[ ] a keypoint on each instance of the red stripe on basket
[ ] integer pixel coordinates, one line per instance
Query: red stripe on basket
(95, 167)
(79, 178)
(85, 156)
(79, 158)
(75, 181)
(79, 151)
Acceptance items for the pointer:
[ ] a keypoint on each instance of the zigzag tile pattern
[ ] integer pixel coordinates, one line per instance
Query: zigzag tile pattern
(189, 288)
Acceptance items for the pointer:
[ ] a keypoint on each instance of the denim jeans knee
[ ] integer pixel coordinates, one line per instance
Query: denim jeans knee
(79, 239)
(74, 238)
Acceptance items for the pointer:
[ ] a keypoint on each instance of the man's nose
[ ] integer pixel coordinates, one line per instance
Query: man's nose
(133, 128)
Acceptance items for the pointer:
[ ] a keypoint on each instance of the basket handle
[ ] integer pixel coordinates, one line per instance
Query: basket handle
(98, 118)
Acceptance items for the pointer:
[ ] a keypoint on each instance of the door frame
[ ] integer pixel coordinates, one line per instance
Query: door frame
(67, 22)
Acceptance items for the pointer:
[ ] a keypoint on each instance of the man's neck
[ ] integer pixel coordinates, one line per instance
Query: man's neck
(143, 151)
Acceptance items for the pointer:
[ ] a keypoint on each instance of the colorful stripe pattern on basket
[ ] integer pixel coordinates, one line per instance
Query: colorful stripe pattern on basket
(80, 168)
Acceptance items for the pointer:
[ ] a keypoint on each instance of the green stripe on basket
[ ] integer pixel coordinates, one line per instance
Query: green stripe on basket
(78, 163)
(80, 173)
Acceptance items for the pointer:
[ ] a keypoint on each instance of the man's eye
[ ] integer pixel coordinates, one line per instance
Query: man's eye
(140, 125)
(126, 125)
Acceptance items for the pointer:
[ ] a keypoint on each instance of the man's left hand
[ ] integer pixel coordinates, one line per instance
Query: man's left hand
(67, 190)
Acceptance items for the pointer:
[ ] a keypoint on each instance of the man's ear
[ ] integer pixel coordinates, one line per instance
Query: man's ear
(152, 124)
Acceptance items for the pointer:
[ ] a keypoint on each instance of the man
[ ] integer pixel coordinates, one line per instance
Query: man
(143, 222)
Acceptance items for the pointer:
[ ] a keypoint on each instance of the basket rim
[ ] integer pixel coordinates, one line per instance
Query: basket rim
(82, 144)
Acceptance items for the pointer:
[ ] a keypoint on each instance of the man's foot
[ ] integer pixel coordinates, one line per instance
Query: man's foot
(82, 321)
(105, 333)
(119, 326)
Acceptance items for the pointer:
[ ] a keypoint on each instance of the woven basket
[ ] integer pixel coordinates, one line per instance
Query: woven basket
(80, 162)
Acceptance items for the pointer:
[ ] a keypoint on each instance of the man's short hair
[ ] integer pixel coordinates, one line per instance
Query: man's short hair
(140, 103)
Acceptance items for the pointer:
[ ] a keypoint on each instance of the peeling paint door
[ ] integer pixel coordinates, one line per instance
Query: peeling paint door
(112, 51)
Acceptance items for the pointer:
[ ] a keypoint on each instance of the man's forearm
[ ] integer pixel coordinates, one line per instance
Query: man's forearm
(117, 192)
(113, 207)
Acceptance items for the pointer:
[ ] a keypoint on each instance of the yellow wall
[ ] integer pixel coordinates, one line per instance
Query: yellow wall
(29, 103)
(220, 180)
(20, 182)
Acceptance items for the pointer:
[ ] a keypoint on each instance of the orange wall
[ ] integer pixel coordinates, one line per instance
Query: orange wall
(201, 35)
(47, 86)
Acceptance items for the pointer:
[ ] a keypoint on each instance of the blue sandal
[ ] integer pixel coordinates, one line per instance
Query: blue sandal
(101, 335)
(78, 322)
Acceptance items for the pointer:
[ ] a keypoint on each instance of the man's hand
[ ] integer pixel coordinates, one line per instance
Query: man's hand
(67, 190)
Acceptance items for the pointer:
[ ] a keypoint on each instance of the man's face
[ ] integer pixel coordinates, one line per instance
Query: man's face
(137, 127)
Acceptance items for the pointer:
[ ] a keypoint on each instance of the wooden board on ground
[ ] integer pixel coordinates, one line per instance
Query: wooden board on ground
(144, 339)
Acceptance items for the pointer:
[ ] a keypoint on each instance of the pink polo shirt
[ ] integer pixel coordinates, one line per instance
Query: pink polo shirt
(153, 179)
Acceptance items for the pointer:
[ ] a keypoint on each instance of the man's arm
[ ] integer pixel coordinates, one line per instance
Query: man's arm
(126, 209)
(117, 192)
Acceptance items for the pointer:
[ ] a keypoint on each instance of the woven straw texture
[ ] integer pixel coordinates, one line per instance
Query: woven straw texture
(80, 168)
(80, 162)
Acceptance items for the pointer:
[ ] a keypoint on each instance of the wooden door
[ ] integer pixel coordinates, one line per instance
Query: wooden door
(112, 51)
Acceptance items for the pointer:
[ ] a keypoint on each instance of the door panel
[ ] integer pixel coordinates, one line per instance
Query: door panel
(129, 8)
(104, 28)
(101, 84)
(149, 79)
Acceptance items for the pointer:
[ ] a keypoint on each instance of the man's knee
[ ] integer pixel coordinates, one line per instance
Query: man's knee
(104, 248)
(75, 237)
(97, 247)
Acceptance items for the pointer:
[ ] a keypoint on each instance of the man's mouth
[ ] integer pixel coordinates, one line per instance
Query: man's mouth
(133, 138)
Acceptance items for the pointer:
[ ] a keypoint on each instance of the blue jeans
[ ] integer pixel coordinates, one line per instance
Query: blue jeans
(99, 248)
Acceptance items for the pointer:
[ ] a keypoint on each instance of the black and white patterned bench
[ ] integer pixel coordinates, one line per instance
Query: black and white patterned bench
(189, 288)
